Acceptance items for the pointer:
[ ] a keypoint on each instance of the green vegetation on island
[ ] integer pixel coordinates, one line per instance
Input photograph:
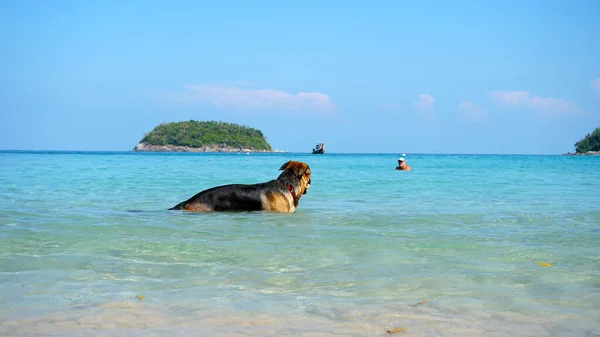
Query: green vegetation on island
(590, 143)
(196, 134)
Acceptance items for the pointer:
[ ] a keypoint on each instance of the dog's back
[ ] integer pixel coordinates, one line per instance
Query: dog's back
(233, 197)
(280, 195)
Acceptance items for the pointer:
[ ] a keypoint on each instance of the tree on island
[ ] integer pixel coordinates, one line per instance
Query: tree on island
(591, 142)
(198, 134)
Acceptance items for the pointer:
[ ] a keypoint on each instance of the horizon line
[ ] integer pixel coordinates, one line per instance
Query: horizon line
(283, 152)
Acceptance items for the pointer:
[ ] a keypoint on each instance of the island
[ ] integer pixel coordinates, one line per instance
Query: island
(589, 145)
(203, 136)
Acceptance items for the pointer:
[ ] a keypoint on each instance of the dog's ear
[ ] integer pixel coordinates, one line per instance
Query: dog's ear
(299, 168)
(286, 165)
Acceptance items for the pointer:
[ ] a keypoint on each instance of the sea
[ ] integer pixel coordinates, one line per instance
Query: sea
(462, 245)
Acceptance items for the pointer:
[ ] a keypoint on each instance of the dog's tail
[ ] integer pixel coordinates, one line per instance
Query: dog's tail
(177, 207)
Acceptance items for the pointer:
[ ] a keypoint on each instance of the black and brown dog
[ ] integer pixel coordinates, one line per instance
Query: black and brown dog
(278, 195)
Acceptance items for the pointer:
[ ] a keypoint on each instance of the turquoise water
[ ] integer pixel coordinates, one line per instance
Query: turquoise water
(83, 234)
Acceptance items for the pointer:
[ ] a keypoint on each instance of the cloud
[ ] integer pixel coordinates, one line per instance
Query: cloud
(472, 112)
(596, 85)
(425, 103)
(509, 97)
(233, 97)
(542, 104)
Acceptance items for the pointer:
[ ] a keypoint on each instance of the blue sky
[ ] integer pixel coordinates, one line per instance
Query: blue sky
(380, 76)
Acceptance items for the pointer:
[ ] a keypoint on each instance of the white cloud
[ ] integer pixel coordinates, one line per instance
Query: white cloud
(541, 104)
(425, 103)
(472, 112)
(596, 85)
(509, 97)
(224, 96)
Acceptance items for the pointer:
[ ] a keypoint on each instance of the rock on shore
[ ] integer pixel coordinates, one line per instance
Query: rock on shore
(145, 147)
(589, 153)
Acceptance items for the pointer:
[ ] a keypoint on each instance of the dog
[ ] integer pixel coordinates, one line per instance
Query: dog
(278, 195)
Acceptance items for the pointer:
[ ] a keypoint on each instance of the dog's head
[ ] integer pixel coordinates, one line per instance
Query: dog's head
(301, 171)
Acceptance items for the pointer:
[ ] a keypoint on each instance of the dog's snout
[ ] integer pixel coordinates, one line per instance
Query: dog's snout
(307, 186)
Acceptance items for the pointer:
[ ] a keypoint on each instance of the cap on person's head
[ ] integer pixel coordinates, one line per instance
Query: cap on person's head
(400, 159)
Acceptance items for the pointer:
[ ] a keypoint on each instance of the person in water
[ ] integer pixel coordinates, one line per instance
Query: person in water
(402, 165)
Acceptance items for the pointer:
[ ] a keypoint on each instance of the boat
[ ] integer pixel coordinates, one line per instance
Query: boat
(319, 149)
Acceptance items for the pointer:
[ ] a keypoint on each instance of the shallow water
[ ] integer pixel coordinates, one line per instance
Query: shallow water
(451, 248)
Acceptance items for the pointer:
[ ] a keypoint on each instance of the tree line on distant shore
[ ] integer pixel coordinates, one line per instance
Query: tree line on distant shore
(197, 134)
(591, 142)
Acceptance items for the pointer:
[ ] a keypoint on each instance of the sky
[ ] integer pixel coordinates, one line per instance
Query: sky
(505, 77)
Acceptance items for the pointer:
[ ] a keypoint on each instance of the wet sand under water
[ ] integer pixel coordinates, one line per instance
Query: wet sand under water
(136, 318)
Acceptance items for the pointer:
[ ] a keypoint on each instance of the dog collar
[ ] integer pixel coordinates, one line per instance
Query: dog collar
(290, 189)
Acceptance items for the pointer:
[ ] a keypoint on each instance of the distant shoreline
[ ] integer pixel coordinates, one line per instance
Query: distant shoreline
(145, 147)
(589, 153)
